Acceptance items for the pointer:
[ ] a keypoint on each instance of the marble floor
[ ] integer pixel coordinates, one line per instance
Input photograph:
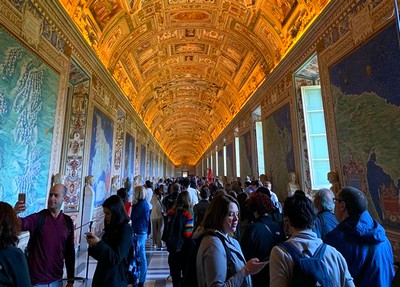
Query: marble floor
(157, 272)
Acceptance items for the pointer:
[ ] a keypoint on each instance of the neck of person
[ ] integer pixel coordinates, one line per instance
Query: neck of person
(55, 212)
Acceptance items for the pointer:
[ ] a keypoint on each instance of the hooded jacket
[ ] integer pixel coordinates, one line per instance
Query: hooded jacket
(363, 243)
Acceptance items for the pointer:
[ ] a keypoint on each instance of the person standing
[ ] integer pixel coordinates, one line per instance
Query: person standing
(140, 222)
(261, 235)
(53, 244)
(200, 208)
(220, 261)
(299, 216)
(325, 221)
(361, 240)
(122, 192)
(148, 195)
(157, 217)
(14, 268)
(111, 252)
(179, 229)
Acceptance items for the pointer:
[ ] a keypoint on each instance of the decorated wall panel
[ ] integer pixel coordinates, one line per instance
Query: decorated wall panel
(76, 145)
(220, 163)
(230, 168)
(365, 87)
(28, 98)
(279, 152)
(129, 159)
(119, 145)
(101, 149)
(246, 158)
(143, 151)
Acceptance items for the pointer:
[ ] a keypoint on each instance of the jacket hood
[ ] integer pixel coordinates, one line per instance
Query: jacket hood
(364, 227)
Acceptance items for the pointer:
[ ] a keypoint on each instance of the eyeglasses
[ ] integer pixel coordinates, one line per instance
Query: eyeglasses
(337, 199)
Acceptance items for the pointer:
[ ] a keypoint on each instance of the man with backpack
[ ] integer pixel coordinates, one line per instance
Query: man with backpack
(304, 260)
(51, 241)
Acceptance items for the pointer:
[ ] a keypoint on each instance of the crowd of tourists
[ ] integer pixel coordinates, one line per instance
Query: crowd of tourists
(216, 234)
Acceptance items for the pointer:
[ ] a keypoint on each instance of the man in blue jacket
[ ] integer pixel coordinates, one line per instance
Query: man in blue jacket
(361, 240)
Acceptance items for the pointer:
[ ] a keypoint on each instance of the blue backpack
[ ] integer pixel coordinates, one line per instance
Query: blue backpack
(309, 270)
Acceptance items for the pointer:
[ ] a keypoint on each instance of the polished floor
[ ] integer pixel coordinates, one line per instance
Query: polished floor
(157, 272)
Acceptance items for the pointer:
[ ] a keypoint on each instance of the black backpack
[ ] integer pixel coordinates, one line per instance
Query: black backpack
(309, 270)
(190, 275)
(173, 233)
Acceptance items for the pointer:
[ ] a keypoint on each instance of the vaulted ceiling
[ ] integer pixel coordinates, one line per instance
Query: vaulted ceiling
(189, 66)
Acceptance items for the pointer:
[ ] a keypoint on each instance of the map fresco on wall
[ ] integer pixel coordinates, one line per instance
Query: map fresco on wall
(28, 89)
(279, 145)
(246, 159)
(129, 156)
(101, 155)
(143, 162)
(366, 95)
(229, 162)
(151, 158)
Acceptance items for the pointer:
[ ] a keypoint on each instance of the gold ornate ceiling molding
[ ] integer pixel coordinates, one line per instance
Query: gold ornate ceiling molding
(188, 66)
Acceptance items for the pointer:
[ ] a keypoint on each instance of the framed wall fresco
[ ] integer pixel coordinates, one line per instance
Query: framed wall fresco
(365, 87)
(279, 145)
(28, 98)
(220, 163)
(246, 155)
(151, 165)
(229, 162)
(143, 162)
(129, 160)
(101, 148)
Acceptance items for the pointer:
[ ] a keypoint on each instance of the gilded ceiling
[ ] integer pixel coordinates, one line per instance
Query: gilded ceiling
(189, 66)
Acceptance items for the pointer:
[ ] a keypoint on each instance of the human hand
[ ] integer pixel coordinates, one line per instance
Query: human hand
(91, 239)
(253, 266)
(19, 207)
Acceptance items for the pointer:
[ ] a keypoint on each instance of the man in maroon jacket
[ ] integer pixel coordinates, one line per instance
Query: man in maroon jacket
(52, 236)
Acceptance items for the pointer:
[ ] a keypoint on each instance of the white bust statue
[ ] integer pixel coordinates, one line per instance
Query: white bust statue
(292, 185)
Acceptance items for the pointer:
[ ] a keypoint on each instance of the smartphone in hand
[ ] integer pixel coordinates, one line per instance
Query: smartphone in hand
(22, 197)
(88, 235)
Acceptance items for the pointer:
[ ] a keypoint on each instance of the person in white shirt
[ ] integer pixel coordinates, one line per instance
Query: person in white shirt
(148, 195)
(194, 199)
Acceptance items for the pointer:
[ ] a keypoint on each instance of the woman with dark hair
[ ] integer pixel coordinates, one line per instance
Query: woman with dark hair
(261, 235)
(220, 261)
(122, 192)
(179, 229)
(111, 252)
(14, 268)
